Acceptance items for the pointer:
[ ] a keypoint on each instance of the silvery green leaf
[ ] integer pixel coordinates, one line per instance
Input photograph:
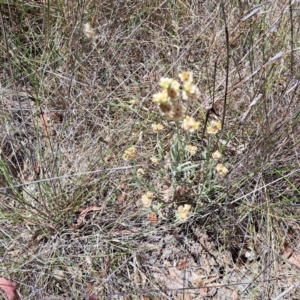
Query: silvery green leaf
(190, 167)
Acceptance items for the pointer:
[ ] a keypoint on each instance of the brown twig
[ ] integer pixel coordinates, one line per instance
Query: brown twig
(227, 65)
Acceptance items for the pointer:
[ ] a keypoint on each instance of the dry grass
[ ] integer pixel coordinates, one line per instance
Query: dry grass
(73, 102)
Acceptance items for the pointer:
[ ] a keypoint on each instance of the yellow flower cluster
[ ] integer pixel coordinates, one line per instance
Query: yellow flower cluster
(170, 90)
(157, 127)
(170, 86)
(183, 211)
(147, 199)
(140, 172)
(129, 153)
(189, 124)
(190, 90)
(214, 127)
(166, 99)
(177, 112)
(89, 32)
(191, 149)
(216, 155)
(161, 97)
(186, 77)
(154, 160)
(221, 169)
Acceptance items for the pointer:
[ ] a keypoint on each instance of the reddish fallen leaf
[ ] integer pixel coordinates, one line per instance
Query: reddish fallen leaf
(181, 264)
(235, 294)
(36, 234)
(152, 218)
(29, 222)
(50, 226)
(123, 232)
(45, 125)
(197, 280)
(58, 118)
(9, 288)
(288, 252)
(292, 256)
(89, 291)
(89, 288)
(83, 213)
(123, 186)
(295, 259)
(121, 198)
(37, 170)
(211, 279)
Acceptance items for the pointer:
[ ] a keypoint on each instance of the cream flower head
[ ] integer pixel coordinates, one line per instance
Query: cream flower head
(189, 124)
(154, 160)
(157, 127)
(173, 90)
(160, 97)
(190, 91)
(191, 149)
(165, 108)
(140, 172)
(216, 155)
(165, 82)
(214, 127)
(186, 76)
(183, 211)
(147, 199)
(129, 153)
(177, 112)
(89, 32)
(221, 169)
(170, 86)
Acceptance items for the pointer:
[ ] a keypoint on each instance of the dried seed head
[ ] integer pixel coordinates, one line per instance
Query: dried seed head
(165, 108)
(173, 89)
(177, 112)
